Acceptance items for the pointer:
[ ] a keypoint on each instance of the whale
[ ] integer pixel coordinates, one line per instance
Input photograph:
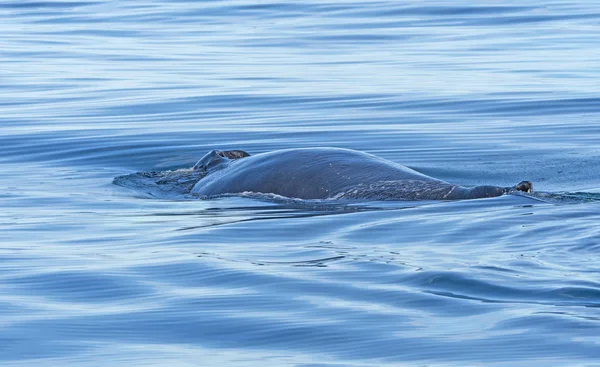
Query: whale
(327, 174)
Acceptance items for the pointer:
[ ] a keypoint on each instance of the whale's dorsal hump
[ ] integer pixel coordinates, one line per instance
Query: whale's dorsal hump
(217, 159)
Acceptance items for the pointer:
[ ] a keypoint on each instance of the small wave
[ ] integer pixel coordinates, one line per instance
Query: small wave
(45, 4)
(565, 197)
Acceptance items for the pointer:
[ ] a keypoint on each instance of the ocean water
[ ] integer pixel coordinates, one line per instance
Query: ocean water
(486, 92)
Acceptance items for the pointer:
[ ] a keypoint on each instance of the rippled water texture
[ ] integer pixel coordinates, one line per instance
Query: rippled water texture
(487, 92)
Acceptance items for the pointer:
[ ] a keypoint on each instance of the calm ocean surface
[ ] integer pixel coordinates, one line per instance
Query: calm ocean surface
(486, 92)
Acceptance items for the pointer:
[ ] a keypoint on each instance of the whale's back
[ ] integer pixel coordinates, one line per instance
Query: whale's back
(310, 173)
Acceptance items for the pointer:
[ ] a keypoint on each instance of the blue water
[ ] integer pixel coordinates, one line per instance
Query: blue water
(486, 92)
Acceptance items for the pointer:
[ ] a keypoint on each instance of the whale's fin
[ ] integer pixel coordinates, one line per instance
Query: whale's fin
(211, 160)
(217, 158)
(525, 186)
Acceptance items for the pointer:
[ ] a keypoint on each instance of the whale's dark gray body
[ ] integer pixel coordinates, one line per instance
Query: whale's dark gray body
(328, 173)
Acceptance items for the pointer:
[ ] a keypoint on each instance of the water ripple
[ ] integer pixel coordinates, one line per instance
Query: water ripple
(488, 93)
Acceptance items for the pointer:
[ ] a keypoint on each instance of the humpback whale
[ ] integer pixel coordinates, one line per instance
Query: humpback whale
(327, 173)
